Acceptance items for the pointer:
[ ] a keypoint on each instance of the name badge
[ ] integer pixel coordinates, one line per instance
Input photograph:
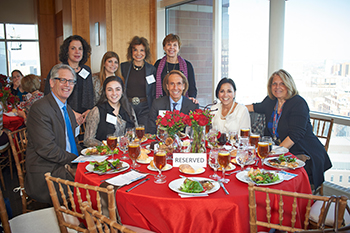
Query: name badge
(111, 119)
(77, 130)
(84, 73)
(193, 159)
(150, 79)
(162, 112)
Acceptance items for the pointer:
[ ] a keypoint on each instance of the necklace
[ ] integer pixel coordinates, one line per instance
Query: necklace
(167, 69)
(137, 67)
(224, 117)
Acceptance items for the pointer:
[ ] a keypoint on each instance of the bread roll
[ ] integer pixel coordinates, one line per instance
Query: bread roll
(186, 168)
(143, 156)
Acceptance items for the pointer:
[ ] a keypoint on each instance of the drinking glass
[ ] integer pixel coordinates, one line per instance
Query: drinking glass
(224, 161)
(222, 139)
(140, 131)
(244, 157)
(243, 141)
(112, 142)
(213, 162)
(161, 134)
(123, 144)
(134, 150)
(245, 132)
(263, 151)
(160, 163)
(233, 137)
(269, 140)
(254, 139)
(130, 133)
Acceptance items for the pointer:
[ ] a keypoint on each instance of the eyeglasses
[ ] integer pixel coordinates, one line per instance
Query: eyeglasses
(64, 81)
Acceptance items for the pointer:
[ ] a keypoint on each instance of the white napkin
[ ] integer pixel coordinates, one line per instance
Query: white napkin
(193, 195)
(10, 114)
(126, 178)
(287, 175)
(83, 159)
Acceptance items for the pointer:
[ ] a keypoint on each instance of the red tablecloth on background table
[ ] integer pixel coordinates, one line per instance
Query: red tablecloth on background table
(158, 208)
(12, 122)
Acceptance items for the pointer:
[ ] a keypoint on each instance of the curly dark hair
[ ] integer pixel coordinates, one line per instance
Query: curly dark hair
(63, 56)
(137, 41)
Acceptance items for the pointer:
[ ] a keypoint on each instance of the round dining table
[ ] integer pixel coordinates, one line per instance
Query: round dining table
(158, 208)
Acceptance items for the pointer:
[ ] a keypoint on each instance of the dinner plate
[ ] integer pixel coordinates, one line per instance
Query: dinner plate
(232, 167)
(198, 170)
(90, 168)
(235, 162)
(166, 168)
(243, 176)
(278, 150)
(147, 161)
(300, 164)
(175, 185)
(83, 152)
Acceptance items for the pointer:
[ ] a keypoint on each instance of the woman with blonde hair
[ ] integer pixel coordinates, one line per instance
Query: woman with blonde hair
(110, 66)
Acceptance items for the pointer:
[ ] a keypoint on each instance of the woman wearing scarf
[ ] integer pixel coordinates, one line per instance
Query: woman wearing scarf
(172, 61)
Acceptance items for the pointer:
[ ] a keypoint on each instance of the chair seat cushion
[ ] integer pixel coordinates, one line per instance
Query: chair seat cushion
(316, 209)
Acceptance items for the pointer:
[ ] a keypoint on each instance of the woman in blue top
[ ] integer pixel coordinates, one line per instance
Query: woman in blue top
(288, 123)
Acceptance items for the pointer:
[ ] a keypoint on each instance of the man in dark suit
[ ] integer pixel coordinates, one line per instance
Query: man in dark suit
(51, 127)
(175, 85)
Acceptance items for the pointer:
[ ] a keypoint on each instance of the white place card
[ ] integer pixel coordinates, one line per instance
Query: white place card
(126, 178)
(193, 159)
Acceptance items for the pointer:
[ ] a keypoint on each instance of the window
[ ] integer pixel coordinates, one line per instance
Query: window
(349, 179)
(340, 178)
(19, 49)
(332, 178)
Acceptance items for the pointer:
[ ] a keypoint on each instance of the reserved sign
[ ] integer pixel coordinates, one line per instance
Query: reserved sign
(193, 159)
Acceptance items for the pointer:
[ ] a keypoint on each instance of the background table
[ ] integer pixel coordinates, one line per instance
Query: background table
(158, 208)
(12, 122)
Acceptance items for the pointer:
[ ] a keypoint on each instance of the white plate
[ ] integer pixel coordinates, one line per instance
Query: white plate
(300, 164)
(90, 168)
(198, 170)
(147, 161)
(233, 160)
(175, 185)
(83, 151)
(243, 176)
(166, 168)
(232, 167)
(278, 150)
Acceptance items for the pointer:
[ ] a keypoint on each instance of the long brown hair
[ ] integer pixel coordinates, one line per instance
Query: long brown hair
(102, 74)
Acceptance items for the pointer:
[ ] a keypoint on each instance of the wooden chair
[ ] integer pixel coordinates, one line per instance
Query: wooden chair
(5, 160)
(18, 141)
(96, 220)
(69, 206)
(322, 128)
(3, 215)
(293, 200)
(81, 134)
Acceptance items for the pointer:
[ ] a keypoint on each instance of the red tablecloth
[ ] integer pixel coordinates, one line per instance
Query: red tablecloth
(157, 208)
(12, 122)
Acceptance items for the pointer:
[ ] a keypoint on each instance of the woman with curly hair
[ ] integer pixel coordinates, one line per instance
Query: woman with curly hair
(140, 83)
(74, 52)
(110, 66)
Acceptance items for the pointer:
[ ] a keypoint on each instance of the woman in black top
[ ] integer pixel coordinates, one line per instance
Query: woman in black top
(288, 123)
(139, 75)
(112, 115)
(74, 52)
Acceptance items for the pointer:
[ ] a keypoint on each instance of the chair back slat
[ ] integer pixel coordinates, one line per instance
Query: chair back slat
(322, 128)
(81, 197)
(305, 200)
(3, 215)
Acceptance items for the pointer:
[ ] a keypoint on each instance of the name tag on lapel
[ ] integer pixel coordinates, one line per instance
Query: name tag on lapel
(150, 79)
(77, 130)
(84, 73)
(111, 119)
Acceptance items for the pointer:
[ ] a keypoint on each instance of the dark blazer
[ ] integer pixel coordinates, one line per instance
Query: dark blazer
(295, 123)
(150, 88)
(163, 103)
(46, 150)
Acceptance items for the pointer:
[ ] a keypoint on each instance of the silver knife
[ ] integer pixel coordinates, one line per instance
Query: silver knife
(223, 187)
(137, 185)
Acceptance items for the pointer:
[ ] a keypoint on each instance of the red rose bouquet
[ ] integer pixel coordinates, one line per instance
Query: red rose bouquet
(6, 97)
(171, 122)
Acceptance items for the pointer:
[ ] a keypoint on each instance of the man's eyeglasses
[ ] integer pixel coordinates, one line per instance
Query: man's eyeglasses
(64, 81)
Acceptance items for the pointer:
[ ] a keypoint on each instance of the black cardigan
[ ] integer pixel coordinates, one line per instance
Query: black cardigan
(295, 123)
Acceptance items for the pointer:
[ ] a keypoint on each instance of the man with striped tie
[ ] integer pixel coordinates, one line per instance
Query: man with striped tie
(52, 131)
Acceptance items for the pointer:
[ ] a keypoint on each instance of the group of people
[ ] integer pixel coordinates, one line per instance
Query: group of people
(136, 92)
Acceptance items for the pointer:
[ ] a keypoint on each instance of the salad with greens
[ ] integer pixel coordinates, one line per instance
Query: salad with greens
(106, 165)
(101, 150)
(193, 186)
(262, 177)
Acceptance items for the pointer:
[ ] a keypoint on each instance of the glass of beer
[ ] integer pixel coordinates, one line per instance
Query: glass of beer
(254, 139)
(263, 150)
(159, 162)
(112, 142)
(224, 159)
(245, 132)
(269, 140)
(140, 131)
(134, 150)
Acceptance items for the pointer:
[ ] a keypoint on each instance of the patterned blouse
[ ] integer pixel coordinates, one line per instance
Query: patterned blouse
(31, 98)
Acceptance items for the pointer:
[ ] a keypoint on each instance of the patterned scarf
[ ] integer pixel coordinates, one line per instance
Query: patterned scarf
(183, 68)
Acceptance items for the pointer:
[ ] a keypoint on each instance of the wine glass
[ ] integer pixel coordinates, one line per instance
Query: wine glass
(222, 139)
(245, 132)
(123, 144)
(211, 138)
(159, 162)
(233, 138)
(140, 131)
(224, 161)
(244, 157)
(161, 134)
(213, 162)
(263, 150)
(130, 133)
(269, 140)
(254, 139)
(134, 150)
(112, 142)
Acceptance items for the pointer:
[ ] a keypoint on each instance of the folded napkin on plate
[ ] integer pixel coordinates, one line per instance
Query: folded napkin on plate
(287, 175)
(83, 159)
(126, 178)
(193, 195)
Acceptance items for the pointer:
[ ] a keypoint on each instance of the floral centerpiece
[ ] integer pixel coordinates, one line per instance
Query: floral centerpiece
(6, 97)
(198, 119)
